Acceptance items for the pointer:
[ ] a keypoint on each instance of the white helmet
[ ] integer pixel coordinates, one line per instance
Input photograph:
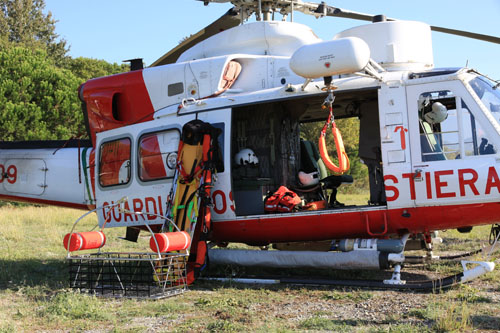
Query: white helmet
(438, 114)
(246, 156)
(308, 179)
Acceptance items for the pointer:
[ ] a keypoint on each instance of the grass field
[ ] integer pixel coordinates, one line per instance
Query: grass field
(34, 293)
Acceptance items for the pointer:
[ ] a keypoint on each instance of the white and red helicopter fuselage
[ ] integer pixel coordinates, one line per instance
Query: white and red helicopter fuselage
(135, 121)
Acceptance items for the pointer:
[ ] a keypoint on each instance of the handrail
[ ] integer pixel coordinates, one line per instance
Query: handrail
(373, 234)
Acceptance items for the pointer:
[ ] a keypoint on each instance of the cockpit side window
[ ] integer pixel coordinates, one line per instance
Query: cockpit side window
(157, 155)
(448, 130)
(438, 126)
(114, 162)
(477, 143)
(488, 93)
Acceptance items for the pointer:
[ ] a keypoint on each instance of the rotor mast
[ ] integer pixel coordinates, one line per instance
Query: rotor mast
(264, 10)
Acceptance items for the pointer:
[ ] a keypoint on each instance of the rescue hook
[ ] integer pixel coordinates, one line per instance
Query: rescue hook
(337, 137)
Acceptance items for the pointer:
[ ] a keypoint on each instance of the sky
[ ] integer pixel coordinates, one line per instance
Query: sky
(116, 30)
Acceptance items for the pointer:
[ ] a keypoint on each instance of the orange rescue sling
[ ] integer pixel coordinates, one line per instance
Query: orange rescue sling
(339, 145)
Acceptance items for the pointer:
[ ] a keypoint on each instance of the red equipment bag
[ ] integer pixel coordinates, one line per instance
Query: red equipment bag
(281, 201)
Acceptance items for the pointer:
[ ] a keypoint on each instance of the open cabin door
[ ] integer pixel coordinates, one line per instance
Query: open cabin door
(451, 157)
(395, 152)
(222, 195)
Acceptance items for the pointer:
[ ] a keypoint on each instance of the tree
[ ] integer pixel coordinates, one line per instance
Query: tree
(38, 82)
(349, 128)
(38, 101)
(86, 68)
(4, 27)
(22, 22)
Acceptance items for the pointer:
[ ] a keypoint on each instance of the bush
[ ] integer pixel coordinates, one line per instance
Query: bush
(38, 101)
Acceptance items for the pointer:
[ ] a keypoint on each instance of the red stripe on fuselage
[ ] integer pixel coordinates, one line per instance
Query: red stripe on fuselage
(116, 101)
(339, 224)
(44, 202)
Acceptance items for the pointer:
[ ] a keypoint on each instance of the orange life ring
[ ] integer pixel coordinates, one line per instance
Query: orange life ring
(341, 154)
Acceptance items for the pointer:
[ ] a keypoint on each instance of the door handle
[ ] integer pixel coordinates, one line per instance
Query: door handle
(417, 175)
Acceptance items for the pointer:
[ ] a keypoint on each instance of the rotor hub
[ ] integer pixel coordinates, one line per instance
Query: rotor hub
(265, 8)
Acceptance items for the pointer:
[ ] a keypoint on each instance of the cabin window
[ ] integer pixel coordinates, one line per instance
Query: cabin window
(448, 130)
(114, 162)
(175, 89)
(158, 155)
(489, 95)
(477, 143)
(219, 152)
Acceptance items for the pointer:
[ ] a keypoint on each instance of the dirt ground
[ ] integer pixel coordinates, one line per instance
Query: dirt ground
(474, 306)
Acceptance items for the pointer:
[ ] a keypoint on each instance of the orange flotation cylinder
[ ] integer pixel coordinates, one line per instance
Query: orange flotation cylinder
(170, 241)
(84, 240)
(344, 164)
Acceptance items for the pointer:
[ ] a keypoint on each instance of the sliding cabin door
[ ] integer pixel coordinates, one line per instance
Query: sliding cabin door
(221, 195)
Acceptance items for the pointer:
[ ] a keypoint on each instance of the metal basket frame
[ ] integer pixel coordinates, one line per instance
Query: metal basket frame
(128, 274)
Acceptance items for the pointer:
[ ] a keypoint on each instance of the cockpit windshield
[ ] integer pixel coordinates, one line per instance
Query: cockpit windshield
(488, 94)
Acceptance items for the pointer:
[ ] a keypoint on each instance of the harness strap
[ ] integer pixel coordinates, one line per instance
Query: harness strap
(191, 206)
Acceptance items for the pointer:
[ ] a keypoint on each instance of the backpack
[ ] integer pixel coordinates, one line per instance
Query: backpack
(281, 201)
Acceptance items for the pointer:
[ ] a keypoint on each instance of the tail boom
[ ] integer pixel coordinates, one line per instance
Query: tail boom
(39, 173)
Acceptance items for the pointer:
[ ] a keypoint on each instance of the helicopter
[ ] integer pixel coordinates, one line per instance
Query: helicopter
(429, 138)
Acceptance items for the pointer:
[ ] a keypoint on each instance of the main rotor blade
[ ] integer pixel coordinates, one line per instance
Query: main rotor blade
(229, 20)
(339, 12)
(486, 38)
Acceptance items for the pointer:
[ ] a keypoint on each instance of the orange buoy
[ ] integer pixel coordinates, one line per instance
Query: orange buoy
(170, 241)
(84, 240)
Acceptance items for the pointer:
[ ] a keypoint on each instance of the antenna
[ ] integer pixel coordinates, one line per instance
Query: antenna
(135, 64)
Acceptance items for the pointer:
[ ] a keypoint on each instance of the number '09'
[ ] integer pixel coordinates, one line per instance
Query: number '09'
(8, 173)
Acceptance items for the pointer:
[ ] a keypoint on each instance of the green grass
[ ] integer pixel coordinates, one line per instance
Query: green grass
(325, 324)
(359, 199)
(34, 294)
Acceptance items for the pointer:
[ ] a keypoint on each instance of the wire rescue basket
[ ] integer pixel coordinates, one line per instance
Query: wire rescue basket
(129, 275)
